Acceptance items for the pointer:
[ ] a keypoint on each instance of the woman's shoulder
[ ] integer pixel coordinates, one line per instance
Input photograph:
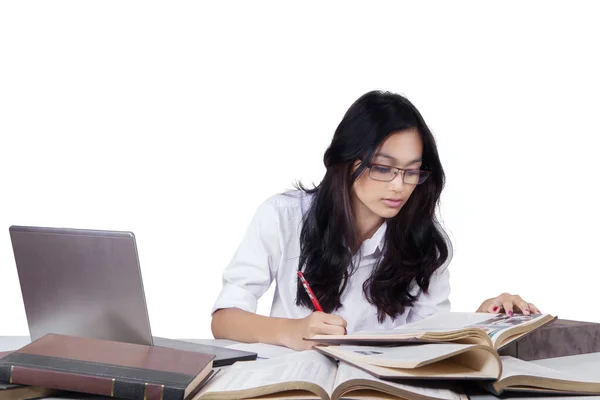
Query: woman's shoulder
(291, 203)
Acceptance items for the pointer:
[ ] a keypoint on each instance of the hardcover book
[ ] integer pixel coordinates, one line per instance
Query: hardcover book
(108, 368)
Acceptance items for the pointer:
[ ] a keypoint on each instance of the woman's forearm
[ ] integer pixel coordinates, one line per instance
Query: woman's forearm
(243, 326)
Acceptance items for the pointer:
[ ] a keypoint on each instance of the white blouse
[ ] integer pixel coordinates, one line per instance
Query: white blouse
(270, 251)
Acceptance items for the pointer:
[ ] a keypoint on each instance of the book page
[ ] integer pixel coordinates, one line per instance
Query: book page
(433, 390)
(513, 366)
(496, 324)
(439, 322)
(306, 366)
(410, 356)
(492, 324)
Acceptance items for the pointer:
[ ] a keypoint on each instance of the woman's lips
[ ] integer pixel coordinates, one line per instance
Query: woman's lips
(394, 203)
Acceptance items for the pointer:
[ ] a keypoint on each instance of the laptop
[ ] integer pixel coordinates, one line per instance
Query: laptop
(88, 283)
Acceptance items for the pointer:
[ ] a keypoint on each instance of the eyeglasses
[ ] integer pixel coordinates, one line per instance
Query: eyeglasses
(386, 173)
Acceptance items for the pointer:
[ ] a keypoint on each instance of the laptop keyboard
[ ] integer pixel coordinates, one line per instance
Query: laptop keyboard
(223, 355)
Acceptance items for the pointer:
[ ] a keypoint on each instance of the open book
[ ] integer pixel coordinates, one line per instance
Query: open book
(524, 376)
(426, 361)
(311, 375)
(493, 330)
(460, 362)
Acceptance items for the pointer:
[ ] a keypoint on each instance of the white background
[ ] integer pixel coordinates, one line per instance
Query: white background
(176, 119)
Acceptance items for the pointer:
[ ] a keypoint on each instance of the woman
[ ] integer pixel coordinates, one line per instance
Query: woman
(366, 238)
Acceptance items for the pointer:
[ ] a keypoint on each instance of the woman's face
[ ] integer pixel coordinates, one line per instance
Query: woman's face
(401, 149)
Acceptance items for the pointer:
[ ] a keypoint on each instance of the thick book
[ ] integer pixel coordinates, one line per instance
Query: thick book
(22, 392)
(108, 368)
(493, 330)
(311, 375)
(557, 339)
(442, 361)
(467, 363)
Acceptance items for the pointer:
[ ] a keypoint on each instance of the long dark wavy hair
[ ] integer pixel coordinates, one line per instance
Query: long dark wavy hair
(415, 246)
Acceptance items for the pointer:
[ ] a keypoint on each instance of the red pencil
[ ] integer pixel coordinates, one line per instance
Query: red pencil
(309, 291)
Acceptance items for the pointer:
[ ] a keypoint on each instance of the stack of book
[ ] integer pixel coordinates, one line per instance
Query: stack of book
(60, 364)
(441, 357)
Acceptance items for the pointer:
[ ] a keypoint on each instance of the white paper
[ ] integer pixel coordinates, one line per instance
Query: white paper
(513, 366)
(305, 366)
(439, 322)
(445, 321)
(403, 356)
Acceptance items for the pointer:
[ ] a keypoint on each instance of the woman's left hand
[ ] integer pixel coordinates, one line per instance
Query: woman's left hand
(509, 303)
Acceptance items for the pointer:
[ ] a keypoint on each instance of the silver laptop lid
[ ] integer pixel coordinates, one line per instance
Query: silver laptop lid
(81, 282)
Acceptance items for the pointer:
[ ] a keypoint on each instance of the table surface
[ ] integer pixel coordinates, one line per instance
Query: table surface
(583, 365)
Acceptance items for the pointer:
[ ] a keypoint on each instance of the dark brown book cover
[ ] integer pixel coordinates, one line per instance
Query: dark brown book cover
(108, 368)
(557, 339)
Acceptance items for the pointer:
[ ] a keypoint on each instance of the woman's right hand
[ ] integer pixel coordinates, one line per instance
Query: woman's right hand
(317, 323)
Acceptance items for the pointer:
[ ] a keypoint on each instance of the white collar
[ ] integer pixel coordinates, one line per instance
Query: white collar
(374, 243)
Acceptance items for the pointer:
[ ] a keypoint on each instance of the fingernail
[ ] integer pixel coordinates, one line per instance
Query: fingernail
(527, 310)
(510, 313)
(495, 308)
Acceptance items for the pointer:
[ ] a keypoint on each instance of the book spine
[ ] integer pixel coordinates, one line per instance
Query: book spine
(100, 385)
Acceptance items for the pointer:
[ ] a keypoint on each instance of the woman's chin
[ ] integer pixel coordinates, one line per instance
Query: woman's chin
(387, 212)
